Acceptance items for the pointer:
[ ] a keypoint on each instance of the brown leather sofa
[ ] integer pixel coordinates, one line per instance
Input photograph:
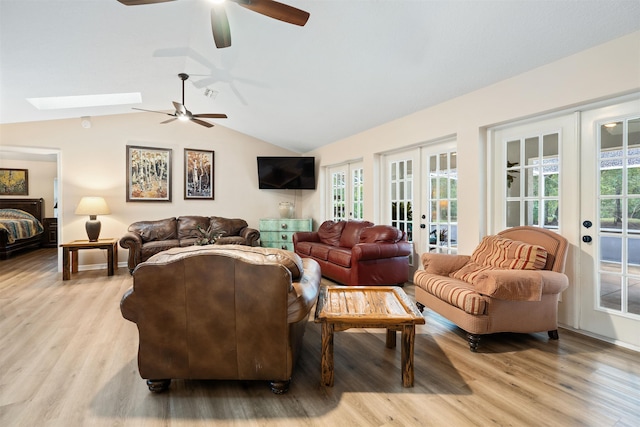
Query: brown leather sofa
(147, 238)
(214, 312)
(510, 283)
(357, 252)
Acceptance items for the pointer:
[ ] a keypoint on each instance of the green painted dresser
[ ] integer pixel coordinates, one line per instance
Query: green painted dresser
(278, 232)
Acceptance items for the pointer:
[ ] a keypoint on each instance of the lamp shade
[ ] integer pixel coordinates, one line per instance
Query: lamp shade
(92, 206)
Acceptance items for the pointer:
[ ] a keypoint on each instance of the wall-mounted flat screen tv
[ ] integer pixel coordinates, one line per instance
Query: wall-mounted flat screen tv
(287, 173)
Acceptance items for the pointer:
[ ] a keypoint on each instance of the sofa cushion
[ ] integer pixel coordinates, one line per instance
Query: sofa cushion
(304, 248)
(163, 229)
(351, 233)
(151, 248)
(454, 292)
(227, 226)
(330, 231)
(380, 234)
(188, 226)
(230, 240)
(500, 252)
(320, 251)
(340, 256)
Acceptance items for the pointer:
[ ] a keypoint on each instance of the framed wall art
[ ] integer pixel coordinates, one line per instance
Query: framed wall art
(148, 174)
(14, 182)
(198, 174)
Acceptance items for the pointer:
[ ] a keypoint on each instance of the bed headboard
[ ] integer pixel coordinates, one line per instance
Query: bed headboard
(33, 206)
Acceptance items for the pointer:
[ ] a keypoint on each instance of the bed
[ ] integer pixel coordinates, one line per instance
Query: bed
(28, 233)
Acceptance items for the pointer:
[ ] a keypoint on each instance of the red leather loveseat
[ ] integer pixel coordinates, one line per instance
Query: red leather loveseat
(357, 252)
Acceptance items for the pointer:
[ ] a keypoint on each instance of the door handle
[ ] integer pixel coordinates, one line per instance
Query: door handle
(587, 239)
(587, 224)
(423, 226)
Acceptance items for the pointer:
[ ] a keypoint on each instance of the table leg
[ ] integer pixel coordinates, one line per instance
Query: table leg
(408, 339)
(327, 354)
(66, 264)
(115, 256)
(391, 338)
(74, 260)
(110, 261)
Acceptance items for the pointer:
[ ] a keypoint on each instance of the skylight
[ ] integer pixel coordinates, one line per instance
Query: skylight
(60, 102)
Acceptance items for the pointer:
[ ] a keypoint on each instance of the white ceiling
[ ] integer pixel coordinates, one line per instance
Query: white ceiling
(355, 65)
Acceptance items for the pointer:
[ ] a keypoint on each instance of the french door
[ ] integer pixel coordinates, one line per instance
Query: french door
(610, 246)
(421, 197)
(346, 188)
(534, 181)
(579, 175)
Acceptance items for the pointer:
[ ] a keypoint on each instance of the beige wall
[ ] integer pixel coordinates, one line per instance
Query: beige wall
(606, 71)
(92, 162)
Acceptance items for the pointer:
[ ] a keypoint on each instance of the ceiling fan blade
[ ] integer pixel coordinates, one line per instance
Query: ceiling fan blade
(275, 10)
(220, 26)
(140, 2)
(153, 111)
(169, 121)
(211, 116)
(180, 108)
(202, 122)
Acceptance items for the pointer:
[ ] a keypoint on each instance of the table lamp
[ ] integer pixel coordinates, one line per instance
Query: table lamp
(92, 206)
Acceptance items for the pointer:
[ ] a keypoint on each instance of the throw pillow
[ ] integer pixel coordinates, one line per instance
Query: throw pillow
(500, 252)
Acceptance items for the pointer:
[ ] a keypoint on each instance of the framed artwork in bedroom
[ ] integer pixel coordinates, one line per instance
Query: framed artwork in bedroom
(14, 182)
(149, 174)
(198, 174)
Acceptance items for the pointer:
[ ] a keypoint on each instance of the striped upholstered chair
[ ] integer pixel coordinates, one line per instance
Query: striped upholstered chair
(511, 283)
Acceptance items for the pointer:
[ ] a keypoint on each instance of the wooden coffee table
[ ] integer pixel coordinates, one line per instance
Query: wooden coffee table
(341, 308)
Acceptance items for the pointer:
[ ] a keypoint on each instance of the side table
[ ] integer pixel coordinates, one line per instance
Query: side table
(70, 255)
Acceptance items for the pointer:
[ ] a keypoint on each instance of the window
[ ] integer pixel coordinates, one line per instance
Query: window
(532, 181)
(401, 175)
(442, 202)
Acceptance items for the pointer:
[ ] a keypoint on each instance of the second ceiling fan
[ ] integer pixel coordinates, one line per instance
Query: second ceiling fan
(220, 23)
(182, 113)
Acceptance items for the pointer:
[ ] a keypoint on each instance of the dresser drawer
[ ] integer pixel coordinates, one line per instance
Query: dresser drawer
(278, 232)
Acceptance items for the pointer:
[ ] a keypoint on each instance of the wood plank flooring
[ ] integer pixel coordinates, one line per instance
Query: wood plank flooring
(68, 358)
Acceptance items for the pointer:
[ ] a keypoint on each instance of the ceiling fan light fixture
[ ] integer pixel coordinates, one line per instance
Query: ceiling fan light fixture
(183, 118)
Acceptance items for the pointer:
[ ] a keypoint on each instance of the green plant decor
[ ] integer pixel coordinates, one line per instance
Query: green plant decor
(208, 236)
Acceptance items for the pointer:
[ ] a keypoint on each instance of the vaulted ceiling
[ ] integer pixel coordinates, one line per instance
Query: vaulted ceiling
(356, 63)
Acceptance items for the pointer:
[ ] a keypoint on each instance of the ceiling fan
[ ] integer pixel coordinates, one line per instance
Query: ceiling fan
(182, 113)
(220, 23)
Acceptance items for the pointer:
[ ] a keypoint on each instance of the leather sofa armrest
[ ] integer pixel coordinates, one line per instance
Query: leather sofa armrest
(305, 236)
(443, 264)
(132, 242)
(370, 251)
(128, 306)
(251, 236)
(304, 292)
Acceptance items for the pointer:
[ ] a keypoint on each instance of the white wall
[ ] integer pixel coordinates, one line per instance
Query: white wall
(606, 71)
(93, 162)
(41, 176)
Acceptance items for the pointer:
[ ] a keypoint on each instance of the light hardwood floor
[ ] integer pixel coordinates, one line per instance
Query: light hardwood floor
(68, 358)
